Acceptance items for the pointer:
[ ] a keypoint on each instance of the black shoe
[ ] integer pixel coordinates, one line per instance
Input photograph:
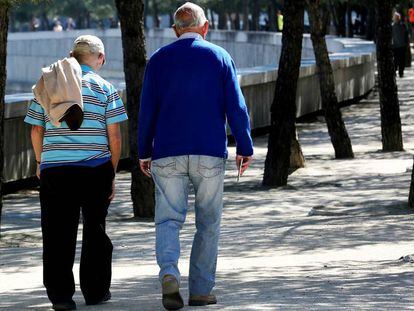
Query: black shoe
(97, 302)
(171, 298)
(68, 305)
(197, 300)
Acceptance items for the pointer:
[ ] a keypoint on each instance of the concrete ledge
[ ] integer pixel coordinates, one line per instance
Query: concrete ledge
(258, 86)
(353, 62)
(29, 52)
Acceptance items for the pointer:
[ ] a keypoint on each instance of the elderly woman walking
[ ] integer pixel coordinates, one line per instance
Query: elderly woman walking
(76, 139)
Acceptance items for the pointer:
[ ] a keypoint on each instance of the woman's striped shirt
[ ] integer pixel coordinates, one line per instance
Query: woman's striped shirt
(89, 144)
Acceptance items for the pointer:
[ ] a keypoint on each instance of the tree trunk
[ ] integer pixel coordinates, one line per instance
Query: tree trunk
(338, 12)
(171, 17)
(341, 13)
(297, 160)
(364, 21)
(272, 12)
(349, 25)
(44, 21)
(155, 13)
(133, 43)
(246, 15)
(256, 15)
(237, 21)
(336, 126)
(332, 9)
(88, 20)
(390, 109)
(146, 6)
(283, 110)
(411, 195)
(408, 55)
(222, 22)
(4, 23)
(371, 24)
(213, 21)
(326, 20)
(12, 17)
(230, 18)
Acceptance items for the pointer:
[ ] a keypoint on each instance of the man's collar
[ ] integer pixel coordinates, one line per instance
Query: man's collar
(190, 35)
(86, 68)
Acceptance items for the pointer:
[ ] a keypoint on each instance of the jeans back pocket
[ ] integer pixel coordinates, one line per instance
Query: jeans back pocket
(164, 167)
(209, 167)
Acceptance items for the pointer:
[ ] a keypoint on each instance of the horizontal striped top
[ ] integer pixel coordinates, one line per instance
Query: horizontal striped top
(89, 144)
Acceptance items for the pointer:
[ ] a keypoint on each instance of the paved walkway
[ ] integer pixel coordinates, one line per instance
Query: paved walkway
(331, 240)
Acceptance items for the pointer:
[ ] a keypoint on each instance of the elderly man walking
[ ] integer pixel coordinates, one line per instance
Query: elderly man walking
(77, 143)
(189, 90)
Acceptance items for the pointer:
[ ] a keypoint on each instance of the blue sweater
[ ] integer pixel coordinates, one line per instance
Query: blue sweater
(190, 87)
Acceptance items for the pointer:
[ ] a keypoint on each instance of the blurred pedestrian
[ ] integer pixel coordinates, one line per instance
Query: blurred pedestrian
(70, 24)
(279, 21)
(399, 43)
(57, 26)
(34, 24)
(411, 19)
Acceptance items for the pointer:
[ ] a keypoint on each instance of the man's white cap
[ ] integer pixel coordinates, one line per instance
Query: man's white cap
(88, 44)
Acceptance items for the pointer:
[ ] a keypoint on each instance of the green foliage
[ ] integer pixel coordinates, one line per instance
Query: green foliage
(24, 10)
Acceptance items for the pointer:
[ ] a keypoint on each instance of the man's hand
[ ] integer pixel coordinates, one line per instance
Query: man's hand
(145, 167)
(246, 162)
(112, 196)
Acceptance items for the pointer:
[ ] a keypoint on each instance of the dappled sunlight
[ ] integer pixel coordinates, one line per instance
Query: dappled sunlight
(330, 240)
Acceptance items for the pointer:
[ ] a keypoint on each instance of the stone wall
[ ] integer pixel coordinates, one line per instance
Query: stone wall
(354, 76)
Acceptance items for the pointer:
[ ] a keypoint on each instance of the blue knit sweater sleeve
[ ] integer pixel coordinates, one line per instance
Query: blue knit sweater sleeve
(147, 113)
(236, 110)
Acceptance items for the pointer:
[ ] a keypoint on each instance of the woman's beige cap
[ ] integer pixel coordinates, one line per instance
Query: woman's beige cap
(88, 44)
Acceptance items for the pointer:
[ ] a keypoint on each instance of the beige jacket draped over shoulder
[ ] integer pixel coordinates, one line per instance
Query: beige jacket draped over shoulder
(59, 88)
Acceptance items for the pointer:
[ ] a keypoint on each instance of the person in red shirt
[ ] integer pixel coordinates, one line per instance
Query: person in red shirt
(411, 18)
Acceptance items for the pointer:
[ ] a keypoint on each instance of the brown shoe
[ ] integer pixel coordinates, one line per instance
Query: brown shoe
(171, 298)
(198, 300)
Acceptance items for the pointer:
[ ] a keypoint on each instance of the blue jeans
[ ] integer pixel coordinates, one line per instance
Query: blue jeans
(172, 177)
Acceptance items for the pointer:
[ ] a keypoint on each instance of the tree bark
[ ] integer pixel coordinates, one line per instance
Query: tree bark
(133, 43)
(272, 12)
(411, 195)
(336, 126)
(388, 91)
(283, 110)
(4, 23)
